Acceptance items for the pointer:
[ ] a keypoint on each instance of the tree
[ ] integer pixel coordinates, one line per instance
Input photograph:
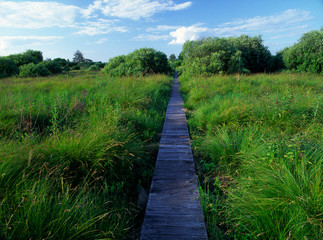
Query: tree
(30, 56)
(307, 54)
(78, 57)
(140, 62)
(242, 54)
(7, 67)
(172, 57)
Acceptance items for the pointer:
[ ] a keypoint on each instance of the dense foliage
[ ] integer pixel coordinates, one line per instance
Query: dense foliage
(7, 67)
(31, 64)
(33, 70)
(30, 56)
(140, 62)
(242, 54)
(258, 145)
(307, 54)
(75, 151)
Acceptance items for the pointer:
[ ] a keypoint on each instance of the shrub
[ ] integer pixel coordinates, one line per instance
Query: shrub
(76, 67)
(140, 62)
(116, 66)
(33, 70)
(307, 54)
(94, 67)
(99, 64)
(30, 56)
(7, 67)
(63, 63)
(242, 54)
(53, 67)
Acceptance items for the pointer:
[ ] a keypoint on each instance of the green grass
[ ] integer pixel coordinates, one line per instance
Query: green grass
(258, 144)
(74, 151)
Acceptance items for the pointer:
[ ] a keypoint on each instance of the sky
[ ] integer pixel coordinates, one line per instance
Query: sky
(102, 29)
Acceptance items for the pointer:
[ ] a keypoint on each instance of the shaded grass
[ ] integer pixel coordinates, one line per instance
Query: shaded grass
(258, 141)
(74, 151)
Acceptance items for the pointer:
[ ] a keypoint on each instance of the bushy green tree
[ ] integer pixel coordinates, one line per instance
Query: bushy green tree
(140, 62)
(7, 67)
(94, 68)
(78, 57)
(61, 62)
(256, 56)
(116, 66)
(52, 66)
(30, 56)
(307, 54)
(172, 57)
(33, 70)
(242, 54)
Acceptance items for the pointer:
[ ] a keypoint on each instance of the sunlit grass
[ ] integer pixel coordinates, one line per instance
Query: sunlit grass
(258, 144)
(74, 151)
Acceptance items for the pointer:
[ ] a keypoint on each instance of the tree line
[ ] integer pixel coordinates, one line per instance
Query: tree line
(206, 56)
(247, 54)
(31, 64)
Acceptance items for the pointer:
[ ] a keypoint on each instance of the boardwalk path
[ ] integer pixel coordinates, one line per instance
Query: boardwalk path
(174, 210)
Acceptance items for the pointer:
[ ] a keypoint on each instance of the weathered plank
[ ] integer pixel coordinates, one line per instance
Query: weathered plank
(174, 210)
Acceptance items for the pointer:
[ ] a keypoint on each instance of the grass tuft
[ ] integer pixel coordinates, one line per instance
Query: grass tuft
(257, 141)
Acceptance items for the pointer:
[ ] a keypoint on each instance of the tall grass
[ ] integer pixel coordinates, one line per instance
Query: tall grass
(74, 151)
(258, 144)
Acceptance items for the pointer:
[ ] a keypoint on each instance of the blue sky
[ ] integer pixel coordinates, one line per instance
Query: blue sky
(102, 29)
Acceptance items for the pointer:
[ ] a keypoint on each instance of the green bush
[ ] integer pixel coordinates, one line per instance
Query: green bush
(76, 67)
(30, 56)
(116, 66)
(33, 70)
(242, 54)
(7, 67)
(307, 54)
(53, 67)
(140, 62)
(94, 68)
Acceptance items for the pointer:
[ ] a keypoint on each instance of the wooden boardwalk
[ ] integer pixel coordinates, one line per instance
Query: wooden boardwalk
(174, 209)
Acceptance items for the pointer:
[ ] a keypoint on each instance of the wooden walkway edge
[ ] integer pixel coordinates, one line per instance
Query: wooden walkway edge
(174, 209)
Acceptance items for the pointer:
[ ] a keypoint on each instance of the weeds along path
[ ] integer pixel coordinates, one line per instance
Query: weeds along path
(174, 209)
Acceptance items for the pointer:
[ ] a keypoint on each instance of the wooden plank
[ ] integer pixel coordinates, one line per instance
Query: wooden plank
(173, 210)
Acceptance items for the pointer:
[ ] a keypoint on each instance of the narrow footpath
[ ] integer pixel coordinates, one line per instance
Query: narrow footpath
(174, 209)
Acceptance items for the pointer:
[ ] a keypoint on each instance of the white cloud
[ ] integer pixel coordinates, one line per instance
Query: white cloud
(151, 37)
(101, 41)
(33, 15)
(190, 33)
(4, 45)
(278, 23)
(292, 22)
(9, 44)
(134, 9)
(162, 28)
(100, 26)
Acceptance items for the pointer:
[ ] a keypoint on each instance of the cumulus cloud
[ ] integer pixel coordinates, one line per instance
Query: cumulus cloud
(134, 9)
(100, 26)
(292, 22)
(33, 15)
(183, 34)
